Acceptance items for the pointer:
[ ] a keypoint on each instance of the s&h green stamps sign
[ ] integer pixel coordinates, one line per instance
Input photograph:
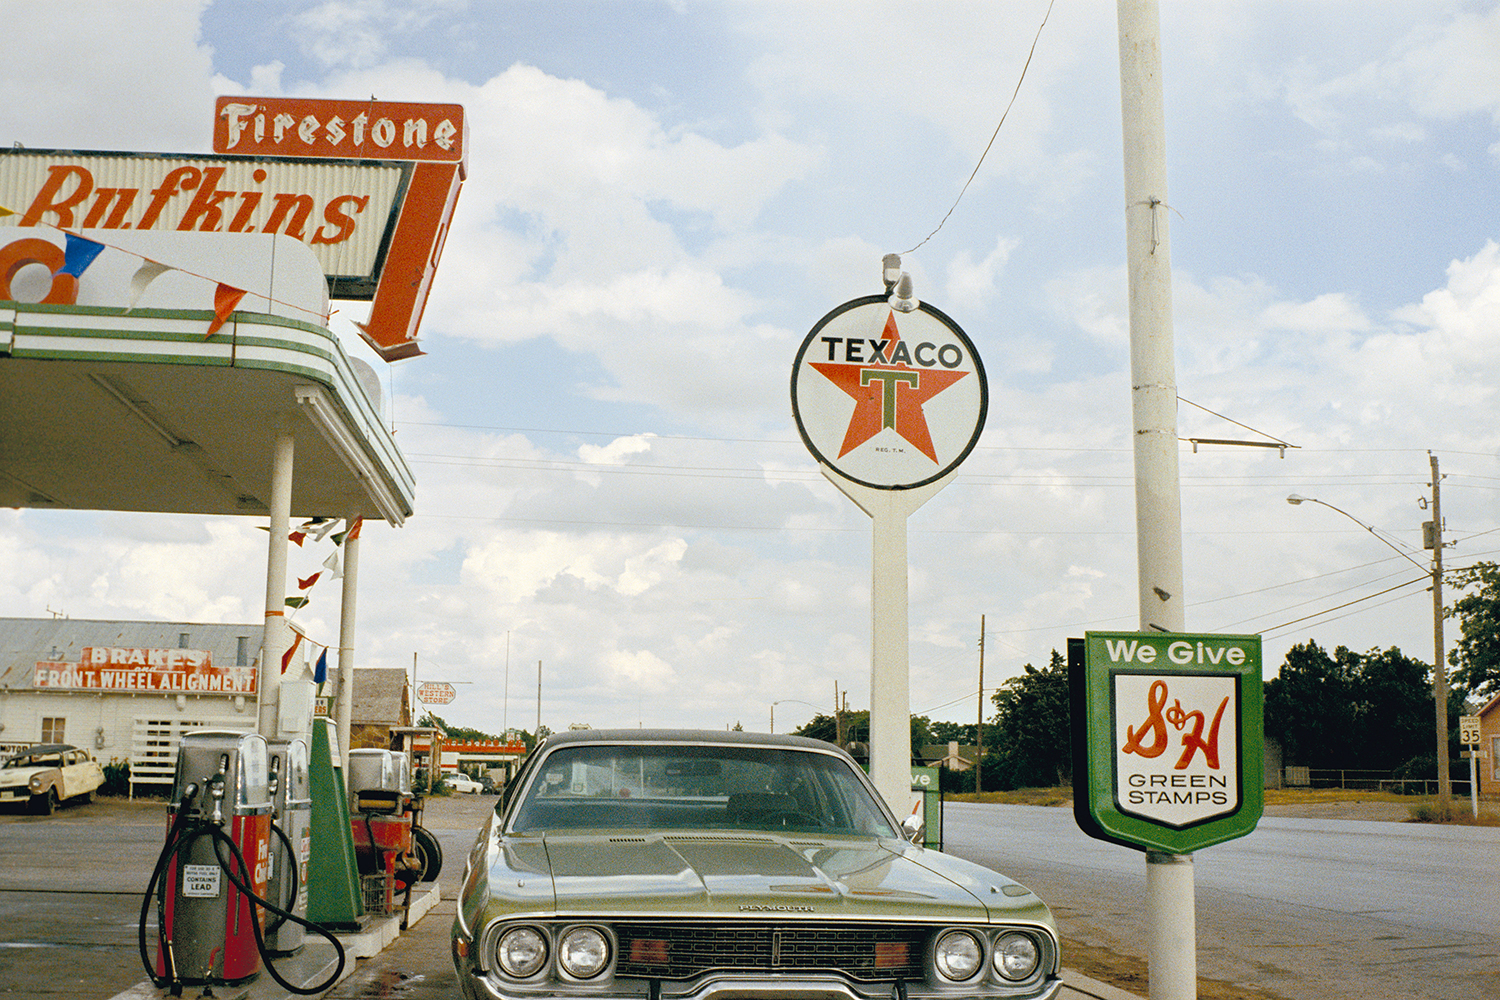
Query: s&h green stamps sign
(1167, 738)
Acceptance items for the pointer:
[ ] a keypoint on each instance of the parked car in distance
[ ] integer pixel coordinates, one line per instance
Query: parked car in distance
(47, 774)
(461, 783)
(664, 865)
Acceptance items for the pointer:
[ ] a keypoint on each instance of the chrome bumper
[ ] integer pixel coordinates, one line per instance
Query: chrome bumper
(477, 986)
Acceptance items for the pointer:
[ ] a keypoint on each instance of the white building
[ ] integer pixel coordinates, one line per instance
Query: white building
(127, 691)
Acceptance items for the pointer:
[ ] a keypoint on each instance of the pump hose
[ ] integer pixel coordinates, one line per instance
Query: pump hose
(169, 848)
(294, 881)
(220, 838)
(177, 843)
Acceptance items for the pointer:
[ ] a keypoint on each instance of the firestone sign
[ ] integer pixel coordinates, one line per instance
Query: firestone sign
(369, 186)
(887, 399)
(1170, 729)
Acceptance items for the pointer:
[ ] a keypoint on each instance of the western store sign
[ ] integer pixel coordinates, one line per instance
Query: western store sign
(369, 187)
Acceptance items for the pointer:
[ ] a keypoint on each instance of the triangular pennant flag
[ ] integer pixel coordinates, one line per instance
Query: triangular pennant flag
(323, 529)
(286, 657)
(332, 565)
(226, 297)
(5, 211)
(296, 538)
(305, 582)
(78, 254)
(144, 275)
(320, 674)
(352, 532)
(296, 602)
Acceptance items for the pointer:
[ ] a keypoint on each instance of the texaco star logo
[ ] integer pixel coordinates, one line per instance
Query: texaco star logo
(887, 399)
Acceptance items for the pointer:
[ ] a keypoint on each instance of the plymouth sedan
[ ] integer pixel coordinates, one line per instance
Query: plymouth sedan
(47, 774)
(694, 866)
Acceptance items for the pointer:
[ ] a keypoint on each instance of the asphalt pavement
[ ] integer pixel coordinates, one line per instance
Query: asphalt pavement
(71, 887)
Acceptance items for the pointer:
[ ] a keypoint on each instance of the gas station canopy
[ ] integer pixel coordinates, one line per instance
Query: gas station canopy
(139, 408)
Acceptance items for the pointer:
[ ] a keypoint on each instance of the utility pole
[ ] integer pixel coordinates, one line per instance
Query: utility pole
(838, 718)
(1171, 941)
(979, 751)
(1439, 668)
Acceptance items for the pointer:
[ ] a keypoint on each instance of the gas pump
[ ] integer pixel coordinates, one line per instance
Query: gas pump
(291, 827)
(209, 883)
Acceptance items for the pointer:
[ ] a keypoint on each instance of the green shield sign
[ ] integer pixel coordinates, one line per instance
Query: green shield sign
(1167, 738)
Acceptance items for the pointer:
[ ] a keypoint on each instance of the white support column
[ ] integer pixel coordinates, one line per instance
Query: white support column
(277, 634)
(890, 658)
(344, 707)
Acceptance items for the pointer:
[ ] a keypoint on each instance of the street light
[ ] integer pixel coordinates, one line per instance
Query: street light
(797, 700)
(1439, 673)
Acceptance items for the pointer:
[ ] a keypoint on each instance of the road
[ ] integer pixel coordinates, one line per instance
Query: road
(1334, 909)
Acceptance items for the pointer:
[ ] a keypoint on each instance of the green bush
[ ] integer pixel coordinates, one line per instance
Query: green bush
(116, 777)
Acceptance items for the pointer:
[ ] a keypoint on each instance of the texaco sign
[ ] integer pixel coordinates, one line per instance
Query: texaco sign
(1168, 732)
(887, 399)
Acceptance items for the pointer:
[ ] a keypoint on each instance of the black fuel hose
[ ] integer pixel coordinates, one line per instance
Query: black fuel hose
(163, 945)
(296, 879)
(221, 838)
(179, 842)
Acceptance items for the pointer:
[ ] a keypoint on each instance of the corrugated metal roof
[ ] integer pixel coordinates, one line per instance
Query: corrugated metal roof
(24, 642)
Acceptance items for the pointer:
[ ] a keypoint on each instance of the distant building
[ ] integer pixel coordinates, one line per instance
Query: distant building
(382, 702)
(1489, 730)
(126, 691)
(953, 756)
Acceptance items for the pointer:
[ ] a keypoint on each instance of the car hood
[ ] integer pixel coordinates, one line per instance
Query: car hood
(708, 875)
(20, 775)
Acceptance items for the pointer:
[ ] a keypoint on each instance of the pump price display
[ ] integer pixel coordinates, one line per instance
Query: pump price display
(200, 881)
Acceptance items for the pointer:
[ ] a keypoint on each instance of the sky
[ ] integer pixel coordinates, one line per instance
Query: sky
(613, 504)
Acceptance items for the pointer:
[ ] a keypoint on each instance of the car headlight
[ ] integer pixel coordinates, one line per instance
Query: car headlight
(521, 951)
(1016, 956)
(958, 955)
(583, 952)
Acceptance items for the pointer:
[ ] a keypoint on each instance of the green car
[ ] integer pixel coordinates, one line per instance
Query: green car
(659, 865)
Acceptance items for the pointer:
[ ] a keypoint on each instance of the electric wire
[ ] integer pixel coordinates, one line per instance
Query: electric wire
(993, 136)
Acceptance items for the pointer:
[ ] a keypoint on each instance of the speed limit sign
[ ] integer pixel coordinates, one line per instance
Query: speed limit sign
(1468, 730)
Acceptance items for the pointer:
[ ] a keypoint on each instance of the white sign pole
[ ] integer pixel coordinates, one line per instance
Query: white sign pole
(890, 692)
(1172, 938)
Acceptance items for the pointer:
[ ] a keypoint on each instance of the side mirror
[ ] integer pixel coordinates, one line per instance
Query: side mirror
(914, 829)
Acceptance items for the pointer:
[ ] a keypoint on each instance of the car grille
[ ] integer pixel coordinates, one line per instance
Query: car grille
(684, 950)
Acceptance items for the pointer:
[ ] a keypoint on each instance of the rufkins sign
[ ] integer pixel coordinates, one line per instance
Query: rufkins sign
(1167, 728)
(888, 400)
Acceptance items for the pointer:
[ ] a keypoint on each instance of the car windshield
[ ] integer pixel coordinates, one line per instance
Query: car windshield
(35, 760)
(677, 787)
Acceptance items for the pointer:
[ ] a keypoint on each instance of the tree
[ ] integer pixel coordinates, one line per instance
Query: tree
(1476, 654)
(857, 730)
(1308, 707)
(1033, 726)
(954, 732)
(1350, 710)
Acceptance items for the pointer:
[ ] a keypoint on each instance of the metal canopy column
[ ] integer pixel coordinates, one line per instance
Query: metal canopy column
(276, 639)
(344, 710)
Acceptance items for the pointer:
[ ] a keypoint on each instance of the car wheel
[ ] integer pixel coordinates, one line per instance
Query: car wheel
(429, 853)
(45, 804)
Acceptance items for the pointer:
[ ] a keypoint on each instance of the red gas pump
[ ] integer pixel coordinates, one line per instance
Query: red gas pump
(209, 884)
(204, 919)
